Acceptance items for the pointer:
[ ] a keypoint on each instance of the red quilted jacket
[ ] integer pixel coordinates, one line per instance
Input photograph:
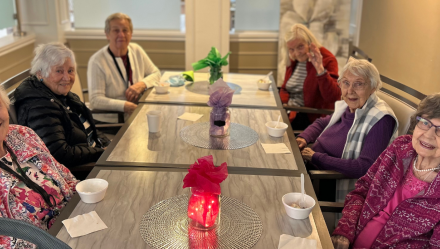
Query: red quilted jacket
(320, 92)
(415, 221)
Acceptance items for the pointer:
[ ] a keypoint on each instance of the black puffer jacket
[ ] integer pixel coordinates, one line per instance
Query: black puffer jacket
(61, 129)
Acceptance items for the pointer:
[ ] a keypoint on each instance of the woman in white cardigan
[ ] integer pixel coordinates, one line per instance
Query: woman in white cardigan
(120, 72)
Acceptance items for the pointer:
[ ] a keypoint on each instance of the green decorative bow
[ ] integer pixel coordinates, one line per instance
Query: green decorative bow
(214, 61)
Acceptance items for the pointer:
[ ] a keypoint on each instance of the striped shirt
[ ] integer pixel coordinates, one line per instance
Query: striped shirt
(295, 84)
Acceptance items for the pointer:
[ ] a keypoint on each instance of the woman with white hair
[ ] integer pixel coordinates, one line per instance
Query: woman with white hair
(311, 76)
(45, 103)
(34, 187)
(119, 73)
(362, 126)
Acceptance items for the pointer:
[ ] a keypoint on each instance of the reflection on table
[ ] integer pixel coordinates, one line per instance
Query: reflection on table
(137, 145)
(132, 193)
(245, 86)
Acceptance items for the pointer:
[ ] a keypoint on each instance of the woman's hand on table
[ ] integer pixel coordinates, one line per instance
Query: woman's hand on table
(340, 242)
(134, 91)
(307, 154)
(302, 143)
(129, 107)
(315, 57)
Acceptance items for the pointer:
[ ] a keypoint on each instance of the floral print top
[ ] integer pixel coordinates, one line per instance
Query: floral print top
(17, 201)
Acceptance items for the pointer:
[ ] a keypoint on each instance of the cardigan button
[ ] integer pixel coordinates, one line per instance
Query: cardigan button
(51, 100)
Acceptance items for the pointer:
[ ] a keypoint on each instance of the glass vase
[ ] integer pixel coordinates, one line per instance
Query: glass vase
(215, 73)
(203, 210)
(220, 122)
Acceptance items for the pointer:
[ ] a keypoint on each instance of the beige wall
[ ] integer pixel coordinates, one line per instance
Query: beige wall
(402, 36)
(15, 62)
(253, 57)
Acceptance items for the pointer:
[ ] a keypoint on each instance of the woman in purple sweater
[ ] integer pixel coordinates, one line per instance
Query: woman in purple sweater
(362, 126)
(397, 203)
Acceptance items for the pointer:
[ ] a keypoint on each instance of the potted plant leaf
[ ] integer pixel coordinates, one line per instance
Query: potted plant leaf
(214, 61)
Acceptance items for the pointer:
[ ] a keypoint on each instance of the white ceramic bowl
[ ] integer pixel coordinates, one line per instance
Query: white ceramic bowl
(298, 213)
(92, 190)
(162, 87)
(276, 132)
(265, 85)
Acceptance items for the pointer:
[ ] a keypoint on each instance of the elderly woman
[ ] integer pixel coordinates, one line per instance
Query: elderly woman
(120, 72)
(45, 104)
(362, 126)
(311, 76)
(397, 203)
(34, 187)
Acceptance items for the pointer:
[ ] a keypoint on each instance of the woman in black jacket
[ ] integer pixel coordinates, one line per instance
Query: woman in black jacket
(45, 104)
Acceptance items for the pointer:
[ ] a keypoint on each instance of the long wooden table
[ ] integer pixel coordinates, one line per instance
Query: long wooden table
(135, 146)
(133, 191)
(245, 86)
(137, 162)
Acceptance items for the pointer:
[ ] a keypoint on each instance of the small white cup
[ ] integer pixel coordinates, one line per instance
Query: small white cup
(153, 118)
(298, 213)
(162, 87)
(264, 85)
(276, 132)
(92, 190)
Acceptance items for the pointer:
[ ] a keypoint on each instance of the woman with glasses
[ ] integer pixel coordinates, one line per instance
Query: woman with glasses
(350, 140)
(397, 203)
(311, 76)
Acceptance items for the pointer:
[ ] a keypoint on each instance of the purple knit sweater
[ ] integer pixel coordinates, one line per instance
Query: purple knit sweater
(329, 146)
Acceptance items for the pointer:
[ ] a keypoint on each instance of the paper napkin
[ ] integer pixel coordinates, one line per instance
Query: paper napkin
(288, 242)
(280, 148)
(190, 116)
(84, 224)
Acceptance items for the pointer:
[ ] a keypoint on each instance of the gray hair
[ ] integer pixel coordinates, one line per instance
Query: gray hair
(299, 31)
(4, 97)
(428, 107)
(49, 55)
(117, 16)
(362, 68)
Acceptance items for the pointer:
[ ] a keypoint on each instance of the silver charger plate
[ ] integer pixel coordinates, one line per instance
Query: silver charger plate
(165, 225)
(240, 136)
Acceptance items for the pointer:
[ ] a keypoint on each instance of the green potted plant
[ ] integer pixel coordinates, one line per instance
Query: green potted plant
(214, 61)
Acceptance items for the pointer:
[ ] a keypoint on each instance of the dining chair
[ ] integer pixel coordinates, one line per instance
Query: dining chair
(357, 53)
(22, 230)
(403, 109)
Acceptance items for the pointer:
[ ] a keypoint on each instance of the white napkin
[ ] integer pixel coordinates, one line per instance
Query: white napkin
(84, 224)
(288, 242)
(190, 116)
(280, 148)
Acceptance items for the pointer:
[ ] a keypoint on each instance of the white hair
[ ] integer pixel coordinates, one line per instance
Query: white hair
(49, 55)
(4, 97)
(117, 16)
(299, 31)
(363, 68)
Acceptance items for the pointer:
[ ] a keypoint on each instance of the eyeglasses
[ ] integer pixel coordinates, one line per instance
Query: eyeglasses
(425, 125)
(356, 86)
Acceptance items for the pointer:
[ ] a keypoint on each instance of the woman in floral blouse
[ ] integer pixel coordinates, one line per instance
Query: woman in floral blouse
(34, 187)
(397, 203)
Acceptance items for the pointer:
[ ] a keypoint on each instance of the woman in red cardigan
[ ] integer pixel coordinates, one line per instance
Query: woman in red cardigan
(311, 76)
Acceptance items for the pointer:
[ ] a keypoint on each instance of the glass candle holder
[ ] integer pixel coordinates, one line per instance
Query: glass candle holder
(220, 122)
(203, 210)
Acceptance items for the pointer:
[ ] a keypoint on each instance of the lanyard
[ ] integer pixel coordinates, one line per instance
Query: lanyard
(24, 178)
(117, 65)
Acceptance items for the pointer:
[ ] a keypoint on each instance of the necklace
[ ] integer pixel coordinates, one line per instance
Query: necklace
(423, 170)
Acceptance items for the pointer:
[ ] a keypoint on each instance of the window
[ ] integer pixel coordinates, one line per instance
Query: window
(145, 14)
(255, 15)
(7, 20)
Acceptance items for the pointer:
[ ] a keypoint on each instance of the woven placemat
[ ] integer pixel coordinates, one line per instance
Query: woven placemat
(240, 136)
(165, 225)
